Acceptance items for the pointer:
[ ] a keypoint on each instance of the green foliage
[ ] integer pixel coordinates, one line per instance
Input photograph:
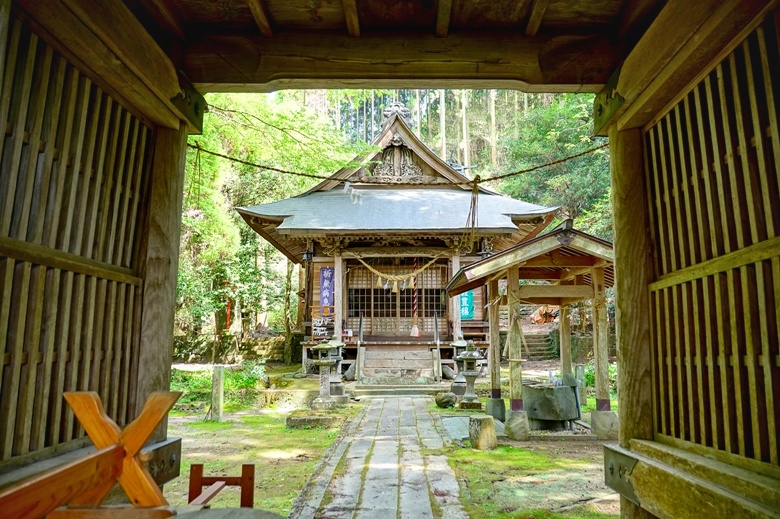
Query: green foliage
(590, 376)
(550, 130)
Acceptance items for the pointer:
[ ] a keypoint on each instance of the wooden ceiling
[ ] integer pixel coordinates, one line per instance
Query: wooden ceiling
(264, 45)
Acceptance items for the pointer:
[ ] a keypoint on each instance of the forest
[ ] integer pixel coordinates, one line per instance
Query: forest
(261, 148)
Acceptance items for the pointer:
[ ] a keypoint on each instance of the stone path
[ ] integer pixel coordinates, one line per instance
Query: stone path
(383, 473)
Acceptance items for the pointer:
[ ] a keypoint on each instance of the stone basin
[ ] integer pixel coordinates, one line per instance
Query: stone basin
(548, 406)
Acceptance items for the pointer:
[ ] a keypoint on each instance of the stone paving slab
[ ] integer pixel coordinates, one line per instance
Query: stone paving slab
(386, 474)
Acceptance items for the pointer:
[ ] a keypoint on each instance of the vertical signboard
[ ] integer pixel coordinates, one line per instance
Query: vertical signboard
(467, 305)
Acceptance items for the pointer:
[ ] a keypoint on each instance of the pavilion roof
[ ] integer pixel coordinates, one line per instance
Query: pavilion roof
(564, 255)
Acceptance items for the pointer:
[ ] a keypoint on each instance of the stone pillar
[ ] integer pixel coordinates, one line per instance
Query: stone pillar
(516, 426)
(495, 404)
(565, 335)
(455, 301)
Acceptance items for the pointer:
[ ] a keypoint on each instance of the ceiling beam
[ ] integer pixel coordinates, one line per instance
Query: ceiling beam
(537, 14)
(351, 16)
(165, 16)
(260, 13)
(242, 63)
(443, 18)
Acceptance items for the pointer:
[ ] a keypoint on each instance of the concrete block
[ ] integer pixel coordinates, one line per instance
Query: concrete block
(604, 424)
(516, 425)
(482, 432)
(496, 407)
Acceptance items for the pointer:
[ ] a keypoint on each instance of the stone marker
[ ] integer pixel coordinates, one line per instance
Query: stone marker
(604, 424)
(448, 373)
(516, 425)
(349, 376)
(446, 399)
(482, 432)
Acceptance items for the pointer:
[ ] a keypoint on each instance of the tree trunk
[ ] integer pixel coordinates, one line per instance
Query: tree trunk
(288, 324)
(419, 114)
(466, 143)
(493, 133)
(442, 124)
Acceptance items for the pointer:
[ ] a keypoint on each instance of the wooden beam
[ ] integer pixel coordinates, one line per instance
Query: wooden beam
(128, 61)
(632, 275)
(351, 16)
(557, 291)
(165, 15)
(556, 259)
(532, 273)
(514, 337)
(494, 356)
(600, 340)
(565, 334)
(245, 63)
(593, 248)
(260, 14)
(161, 259)
(535, 18)
(443, 14)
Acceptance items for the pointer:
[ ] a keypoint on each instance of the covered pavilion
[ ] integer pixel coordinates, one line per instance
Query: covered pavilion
(561, 267)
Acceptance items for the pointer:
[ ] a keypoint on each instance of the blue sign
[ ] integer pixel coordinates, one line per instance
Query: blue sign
(467, 305)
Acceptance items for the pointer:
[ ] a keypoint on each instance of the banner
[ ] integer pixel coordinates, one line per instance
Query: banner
(467, 305)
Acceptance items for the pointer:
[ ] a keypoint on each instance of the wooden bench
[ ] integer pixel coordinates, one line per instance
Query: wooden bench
(215, 484)
(78, 488)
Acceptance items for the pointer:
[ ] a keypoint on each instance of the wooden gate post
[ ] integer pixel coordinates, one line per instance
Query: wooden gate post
(516, 418)
(495, 404)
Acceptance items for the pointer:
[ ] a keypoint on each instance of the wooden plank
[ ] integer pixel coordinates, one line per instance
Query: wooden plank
(6, 28)
(754, 253)
(13, 163)
(263, 21)
(161, 262)
(681, 391)
(49, 341)
(712, 359)
(113, 112)
(592, 247)
(443, 14)
(666, 199)
(565, 330)
(246, 63)
(601, 338)
(29, 372)
(732, 359)
(116, 253)
(26, 251)
(774, 129)
(103, 305)
(90, 306)
(768, 361)
(538, 7)
(75, 182)
(9, 67)
(660, 361)
(15, 345)
(208, 494)
(514, 340)
(632, 253)
(351, 17)
(731, 191)
(67, 113)
(659, 234)
(91, 187)
(40, 88)
(63, 333)
(573, 291)
(6, 285)
(117, 175)
(707, 169)
(130, 352)
(38, 496)
(751, 314)
(136, 199)
(128, 61)
(725, 410)
(717, 155)
(41, 203)
(76, 349)
(114, 373)
(494, 352)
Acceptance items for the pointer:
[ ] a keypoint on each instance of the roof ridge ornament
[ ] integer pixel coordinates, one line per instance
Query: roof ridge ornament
(396, 107)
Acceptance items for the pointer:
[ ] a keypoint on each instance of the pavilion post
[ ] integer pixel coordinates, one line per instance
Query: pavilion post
(160, 261)
(604, 421)
(565, 338)
(455, 301)
(516, 418)
(495, 404)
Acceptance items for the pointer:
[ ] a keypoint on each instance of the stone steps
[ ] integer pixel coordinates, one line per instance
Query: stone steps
(404, 389)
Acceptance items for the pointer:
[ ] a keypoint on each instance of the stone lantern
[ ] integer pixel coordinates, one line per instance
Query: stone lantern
(469, 359)
(458, 385)
(328, 355)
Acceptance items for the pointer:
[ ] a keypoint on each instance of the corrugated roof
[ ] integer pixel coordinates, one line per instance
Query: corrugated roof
(395, 209)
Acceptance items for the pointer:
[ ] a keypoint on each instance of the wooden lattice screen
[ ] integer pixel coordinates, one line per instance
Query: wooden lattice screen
(715, 206)
(73, 163)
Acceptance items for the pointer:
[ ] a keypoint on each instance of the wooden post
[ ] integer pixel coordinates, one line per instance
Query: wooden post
(600, 340)
(217, 393)
(338, 295)
(565, 333)
(160, 266)
(632, 254)
(514, 340)
(494, 353)
(455, 301)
